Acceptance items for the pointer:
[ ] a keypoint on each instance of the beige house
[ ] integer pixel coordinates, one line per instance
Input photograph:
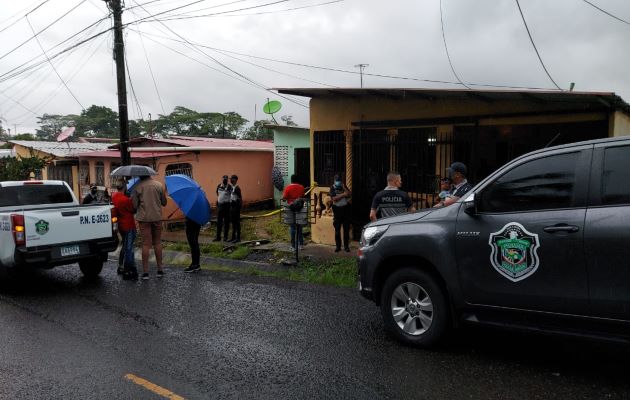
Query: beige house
(62, 157)
(364, 133)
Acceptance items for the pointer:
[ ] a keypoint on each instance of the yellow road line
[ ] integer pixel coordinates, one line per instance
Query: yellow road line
(159, 390)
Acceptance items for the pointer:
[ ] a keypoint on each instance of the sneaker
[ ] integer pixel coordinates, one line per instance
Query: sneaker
(235, 240)
(130, 276)
(347, 250)
(120, 270)
(145, 276)
(337, 250)
(160, 273)
(192, 268)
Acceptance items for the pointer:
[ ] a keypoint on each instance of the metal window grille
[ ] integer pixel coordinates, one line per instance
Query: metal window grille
(60, 173)
(100, 174)
(84, 173)
(281, 161)
(180, 168)
(330, 156)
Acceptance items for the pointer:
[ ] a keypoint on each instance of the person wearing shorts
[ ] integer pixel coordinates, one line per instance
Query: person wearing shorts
(148, 199)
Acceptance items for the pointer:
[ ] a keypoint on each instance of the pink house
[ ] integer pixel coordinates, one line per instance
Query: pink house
(206, 160)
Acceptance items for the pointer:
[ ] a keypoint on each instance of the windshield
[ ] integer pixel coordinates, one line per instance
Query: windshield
(25, 195)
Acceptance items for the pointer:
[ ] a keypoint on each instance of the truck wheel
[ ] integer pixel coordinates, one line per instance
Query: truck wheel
(91, 267)
(414, 308)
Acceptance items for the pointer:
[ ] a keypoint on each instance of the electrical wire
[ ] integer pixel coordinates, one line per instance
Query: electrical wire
(146, 56)
(340, 70)
(534, 45)
(133, 90)
(254, 83)
(47, 26)
(450, 62)
(52, 65)
(606, 12)
(217, 13)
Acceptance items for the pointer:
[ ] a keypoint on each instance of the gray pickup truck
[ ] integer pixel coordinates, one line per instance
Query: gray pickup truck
(541, 244)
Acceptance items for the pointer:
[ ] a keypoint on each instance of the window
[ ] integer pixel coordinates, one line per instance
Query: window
(542, 184)
(615, 183)
(181, 169)
(14, 196)
(330, 156)
(100, 174)
(84, 173)
(282, 159)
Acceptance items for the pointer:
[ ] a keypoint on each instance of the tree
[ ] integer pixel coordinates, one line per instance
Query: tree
(20, 168)
(50, 125)
(258, 132)
(288, 120)
(24, 136)
(100, 120)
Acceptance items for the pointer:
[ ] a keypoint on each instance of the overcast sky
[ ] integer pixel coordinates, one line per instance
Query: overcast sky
(486, 39)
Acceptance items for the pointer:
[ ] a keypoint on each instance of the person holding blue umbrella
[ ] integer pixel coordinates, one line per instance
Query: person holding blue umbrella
(191, 199)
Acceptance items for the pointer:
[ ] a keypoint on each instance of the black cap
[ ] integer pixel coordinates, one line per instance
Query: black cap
(225, 176)
(93, 186)
(234, 177)
(457, 167)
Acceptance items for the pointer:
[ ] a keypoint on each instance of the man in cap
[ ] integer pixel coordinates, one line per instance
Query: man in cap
(91, 197)
(457, 174)
(236, 201)
(224, 198)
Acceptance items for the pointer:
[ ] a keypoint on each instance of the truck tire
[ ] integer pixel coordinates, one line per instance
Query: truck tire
(414, 308)
(91, 267)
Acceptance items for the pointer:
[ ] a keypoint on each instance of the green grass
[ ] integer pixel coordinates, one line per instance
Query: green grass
(340, 272)
(212, 250)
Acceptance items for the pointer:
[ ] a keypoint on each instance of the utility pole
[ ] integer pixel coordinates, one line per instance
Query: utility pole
(361, 68)
(119, 56)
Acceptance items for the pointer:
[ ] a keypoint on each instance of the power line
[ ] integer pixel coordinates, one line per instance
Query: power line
(146, 56)
(187, 16)
(133, 90)
(606, 12)
(52, 65)
(340, 70)
(256, 84)
(450, 62)
(47, 26)
(534, 44)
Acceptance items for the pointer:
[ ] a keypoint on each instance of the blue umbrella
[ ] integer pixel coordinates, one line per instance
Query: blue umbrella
(189, 197)
(132, 182)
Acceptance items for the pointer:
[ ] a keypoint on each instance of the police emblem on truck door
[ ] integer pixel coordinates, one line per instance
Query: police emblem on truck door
(514, 252)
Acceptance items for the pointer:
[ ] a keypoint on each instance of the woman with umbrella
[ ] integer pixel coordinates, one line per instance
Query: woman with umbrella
(191, 199)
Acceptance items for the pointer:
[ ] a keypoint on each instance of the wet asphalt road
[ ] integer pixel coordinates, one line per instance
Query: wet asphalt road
(218, 335)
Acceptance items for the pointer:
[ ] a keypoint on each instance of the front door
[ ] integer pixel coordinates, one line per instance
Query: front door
(607, 234)
(524, 246)
(303, 166)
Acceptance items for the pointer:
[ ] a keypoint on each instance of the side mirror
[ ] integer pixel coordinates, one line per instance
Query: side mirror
(470, 205)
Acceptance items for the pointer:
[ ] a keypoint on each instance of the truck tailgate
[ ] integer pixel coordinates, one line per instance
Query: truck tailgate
(66, 225)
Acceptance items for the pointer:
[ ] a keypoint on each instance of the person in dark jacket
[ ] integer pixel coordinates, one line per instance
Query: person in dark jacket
(340, 195)
(236, 201)
(91, 197)
(224, 198)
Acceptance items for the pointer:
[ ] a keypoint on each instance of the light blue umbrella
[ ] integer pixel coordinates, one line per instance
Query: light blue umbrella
(189, 197)
(131, 183)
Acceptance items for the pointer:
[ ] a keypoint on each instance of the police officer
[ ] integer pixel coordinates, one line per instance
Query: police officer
(91, 197)
(236, 201)
(224, 194)
(457, 174)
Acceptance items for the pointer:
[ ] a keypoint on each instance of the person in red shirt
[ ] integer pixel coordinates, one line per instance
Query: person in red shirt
(127, 228)
(291, 193)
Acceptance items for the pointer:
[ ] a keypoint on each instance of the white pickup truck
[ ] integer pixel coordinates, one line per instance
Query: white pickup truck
(42, 225)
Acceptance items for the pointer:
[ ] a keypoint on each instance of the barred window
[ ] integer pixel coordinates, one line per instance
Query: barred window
(180, 168)
(282, 159)
(330, 156)
(84, 173)
(100, 174)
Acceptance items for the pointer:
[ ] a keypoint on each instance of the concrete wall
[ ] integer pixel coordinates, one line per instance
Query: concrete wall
(295, 138)
(338, 113)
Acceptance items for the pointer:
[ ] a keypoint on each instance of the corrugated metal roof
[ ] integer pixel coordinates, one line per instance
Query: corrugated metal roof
(134, 154)
(595, 100)
(191, 141)
(61, 149)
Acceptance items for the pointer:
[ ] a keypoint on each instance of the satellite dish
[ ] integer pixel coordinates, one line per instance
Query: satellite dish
(272, 107)
(65, 134)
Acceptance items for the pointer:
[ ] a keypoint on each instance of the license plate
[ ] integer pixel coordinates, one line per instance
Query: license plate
(70, 250)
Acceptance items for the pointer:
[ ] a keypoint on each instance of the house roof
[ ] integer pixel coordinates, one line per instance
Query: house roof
(4, 153)
(134, 154)
(61, 149)
(286, 127)
(191, 141)
(592, 100)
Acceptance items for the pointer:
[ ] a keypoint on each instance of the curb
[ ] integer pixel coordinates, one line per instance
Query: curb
(180, 258)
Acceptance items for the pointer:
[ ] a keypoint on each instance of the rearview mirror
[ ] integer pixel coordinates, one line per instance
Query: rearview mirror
(470, 205)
